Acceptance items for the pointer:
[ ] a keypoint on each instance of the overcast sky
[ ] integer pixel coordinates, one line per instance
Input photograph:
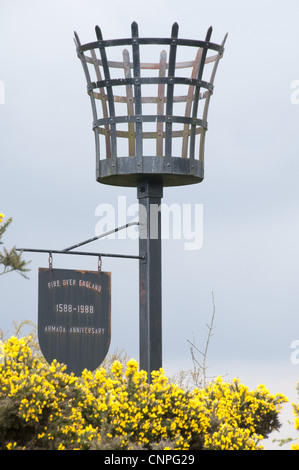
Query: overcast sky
(250, 195)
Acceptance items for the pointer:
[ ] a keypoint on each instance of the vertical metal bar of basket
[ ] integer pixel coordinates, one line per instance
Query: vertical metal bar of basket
(160, 104)
(169, 97)
(91, 96)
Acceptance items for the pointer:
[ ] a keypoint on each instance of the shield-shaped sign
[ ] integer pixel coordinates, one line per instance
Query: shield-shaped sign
(74, 317)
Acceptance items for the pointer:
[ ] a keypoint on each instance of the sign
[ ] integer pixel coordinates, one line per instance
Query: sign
(74, 317)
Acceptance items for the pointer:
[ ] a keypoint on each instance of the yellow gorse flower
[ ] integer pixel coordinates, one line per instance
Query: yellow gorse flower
(1, 217)
(120, 410)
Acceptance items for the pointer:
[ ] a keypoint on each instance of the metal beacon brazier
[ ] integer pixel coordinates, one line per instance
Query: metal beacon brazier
(150, 98)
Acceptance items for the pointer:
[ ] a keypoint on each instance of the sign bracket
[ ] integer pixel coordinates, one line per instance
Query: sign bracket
(109, 232)
(67, 251)
(80, 253)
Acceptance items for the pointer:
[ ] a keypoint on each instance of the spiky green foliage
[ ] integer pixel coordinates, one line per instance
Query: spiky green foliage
(11, 260)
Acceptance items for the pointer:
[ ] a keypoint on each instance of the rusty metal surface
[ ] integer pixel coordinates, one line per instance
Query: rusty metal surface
(149, 116)
(74, 317)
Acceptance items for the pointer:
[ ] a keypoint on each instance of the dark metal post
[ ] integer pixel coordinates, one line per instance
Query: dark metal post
(149, 194)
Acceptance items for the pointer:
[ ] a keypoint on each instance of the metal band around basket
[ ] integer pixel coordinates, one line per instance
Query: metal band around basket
(150, 118)
(152, 41)
(150, 81)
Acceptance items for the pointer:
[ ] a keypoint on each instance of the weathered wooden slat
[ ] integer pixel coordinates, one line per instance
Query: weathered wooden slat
(130, 103)
(190, 97)
(196, 93)
(160, 104)
(207, 102)
(104, 104)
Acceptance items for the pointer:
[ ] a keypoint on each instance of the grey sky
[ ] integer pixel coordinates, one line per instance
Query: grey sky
(249, 257)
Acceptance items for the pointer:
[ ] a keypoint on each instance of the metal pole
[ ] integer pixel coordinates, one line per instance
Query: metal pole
(149, 194)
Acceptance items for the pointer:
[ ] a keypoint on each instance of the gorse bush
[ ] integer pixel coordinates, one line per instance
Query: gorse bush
(43, 407)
